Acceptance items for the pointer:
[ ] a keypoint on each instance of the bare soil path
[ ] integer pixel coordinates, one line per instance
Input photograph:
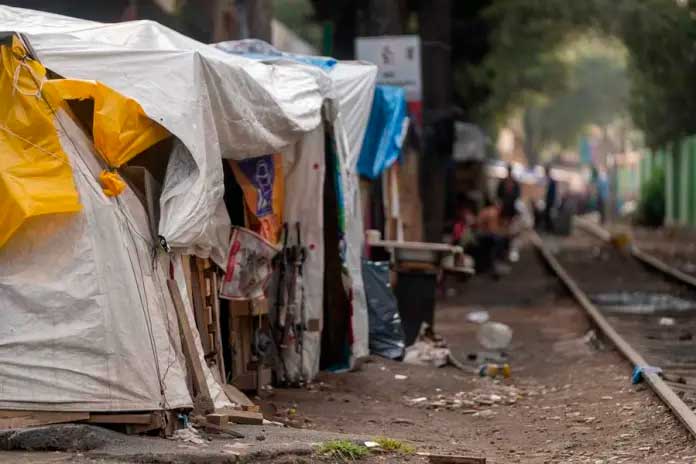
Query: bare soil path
(575, 403)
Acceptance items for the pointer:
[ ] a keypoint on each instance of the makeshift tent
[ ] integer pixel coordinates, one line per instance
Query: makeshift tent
(348, 87)
(87, 320)
(216, 104)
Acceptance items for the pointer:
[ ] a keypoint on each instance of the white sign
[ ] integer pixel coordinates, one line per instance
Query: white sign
(398, 58)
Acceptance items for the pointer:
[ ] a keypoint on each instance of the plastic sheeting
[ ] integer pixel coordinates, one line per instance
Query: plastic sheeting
(349, 87)
(87, 323)
(385, 131)
(386, 333)
(120, 128)
(218, 105)
(305, 169)
(35, 176)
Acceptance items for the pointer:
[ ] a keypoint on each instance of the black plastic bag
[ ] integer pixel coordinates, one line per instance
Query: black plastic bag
(386, 333)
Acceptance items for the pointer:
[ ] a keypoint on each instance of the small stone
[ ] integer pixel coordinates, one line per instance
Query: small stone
(260, 437)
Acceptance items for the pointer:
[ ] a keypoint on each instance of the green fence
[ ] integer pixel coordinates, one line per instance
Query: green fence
(679, 163)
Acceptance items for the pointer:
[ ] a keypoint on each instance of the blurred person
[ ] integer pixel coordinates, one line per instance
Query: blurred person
(508, 193)
(550, 199)
(478, 231)
(465, 221)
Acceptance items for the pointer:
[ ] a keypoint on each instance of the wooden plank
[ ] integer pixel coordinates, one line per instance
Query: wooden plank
(255, 307)
(20, 419)
(198, 301)
(193, 363)
(453, 459)
(216, 322)
(224, 429)
(217, 418)
(145, 418)
(236, 396)
(663, 391)
(420, 246)
(246, 417)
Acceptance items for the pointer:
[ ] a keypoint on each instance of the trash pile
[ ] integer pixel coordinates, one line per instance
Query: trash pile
(491, 393)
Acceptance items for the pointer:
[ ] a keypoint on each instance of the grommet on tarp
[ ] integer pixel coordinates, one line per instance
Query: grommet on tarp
(111, 183)
(639, 371)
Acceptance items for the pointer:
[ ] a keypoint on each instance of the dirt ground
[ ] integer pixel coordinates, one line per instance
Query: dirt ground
(567, 401)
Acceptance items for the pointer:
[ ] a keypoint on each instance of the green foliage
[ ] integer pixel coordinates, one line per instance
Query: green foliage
(651, 210)
(343, 450)
(298, 16)
(596, 93)
(391, 445)
(523, 66)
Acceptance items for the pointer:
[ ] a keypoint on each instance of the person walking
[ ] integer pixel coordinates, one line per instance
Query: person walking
(549, 199)
(508, 193)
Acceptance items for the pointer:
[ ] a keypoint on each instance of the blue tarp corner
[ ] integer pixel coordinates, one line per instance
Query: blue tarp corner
(385, 131)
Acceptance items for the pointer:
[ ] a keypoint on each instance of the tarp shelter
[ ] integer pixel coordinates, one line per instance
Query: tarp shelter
(87, 323)
(385, 131)
(348, 88)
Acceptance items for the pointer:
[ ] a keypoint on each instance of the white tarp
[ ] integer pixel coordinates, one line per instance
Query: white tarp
(354, 86)
(86, 323)
(305, 170)
(352, 91)
(218, 105)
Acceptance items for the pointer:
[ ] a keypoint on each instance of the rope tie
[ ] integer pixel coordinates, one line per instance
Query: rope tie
(39, 80)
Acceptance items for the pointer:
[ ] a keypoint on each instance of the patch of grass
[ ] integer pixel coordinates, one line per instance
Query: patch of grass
(343, 450)
(391, 445)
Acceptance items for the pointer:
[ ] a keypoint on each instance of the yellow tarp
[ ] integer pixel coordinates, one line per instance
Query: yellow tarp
(121, 129)
(35, 174)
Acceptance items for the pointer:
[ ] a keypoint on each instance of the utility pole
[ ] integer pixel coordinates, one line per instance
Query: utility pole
(435, 23)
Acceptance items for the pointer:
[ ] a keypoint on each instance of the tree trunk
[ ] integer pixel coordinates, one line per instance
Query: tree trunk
(259, 16)
(434, 20)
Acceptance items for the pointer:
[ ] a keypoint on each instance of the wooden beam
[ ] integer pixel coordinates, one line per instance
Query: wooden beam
(419, 246)
(242, 417)
(453, 459)
(215, 304)
(198, 302)
(202, 396)
(236, 396)
(145, 418)
(20, 419)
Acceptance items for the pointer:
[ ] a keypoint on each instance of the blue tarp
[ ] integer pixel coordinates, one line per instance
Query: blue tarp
(385, 130)
(256, 49)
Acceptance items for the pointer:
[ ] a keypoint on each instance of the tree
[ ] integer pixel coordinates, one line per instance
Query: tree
(658, 34)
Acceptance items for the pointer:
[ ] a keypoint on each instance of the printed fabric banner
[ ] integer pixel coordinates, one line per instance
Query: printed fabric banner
(249, 265)
(262, 182)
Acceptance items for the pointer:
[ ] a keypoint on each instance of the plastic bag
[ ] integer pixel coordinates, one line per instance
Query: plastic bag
(386, 334)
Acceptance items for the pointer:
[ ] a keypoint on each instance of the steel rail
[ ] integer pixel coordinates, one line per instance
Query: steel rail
(685, 415)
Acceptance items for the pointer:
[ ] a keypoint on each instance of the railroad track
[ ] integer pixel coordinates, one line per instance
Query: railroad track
(642, 335)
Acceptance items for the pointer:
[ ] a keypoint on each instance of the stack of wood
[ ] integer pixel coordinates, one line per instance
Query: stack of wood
(245, 317)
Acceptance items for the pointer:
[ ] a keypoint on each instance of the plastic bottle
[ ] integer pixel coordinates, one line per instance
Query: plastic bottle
(494, 370)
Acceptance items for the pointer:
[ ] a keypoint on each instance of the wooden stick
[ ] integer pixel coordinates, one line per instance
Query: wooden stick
(216, 322)
(193, 362)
